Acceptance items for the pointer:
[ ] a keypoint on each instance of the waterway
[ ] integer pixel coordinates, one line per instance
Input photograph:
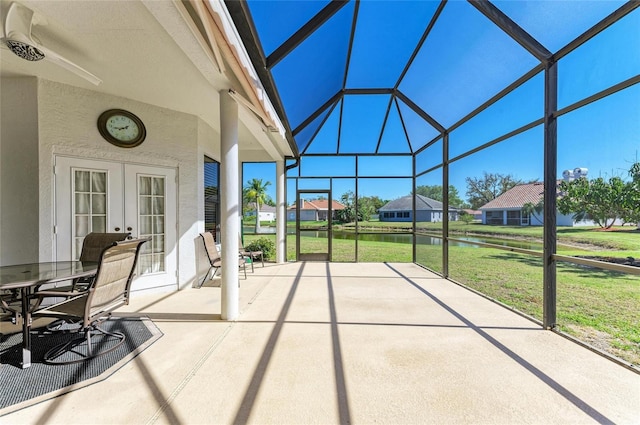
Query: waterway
(423, 239)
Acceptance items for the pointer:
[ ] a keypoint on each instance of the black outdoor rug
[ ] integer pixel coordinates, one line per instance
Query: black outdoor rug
(20, 388)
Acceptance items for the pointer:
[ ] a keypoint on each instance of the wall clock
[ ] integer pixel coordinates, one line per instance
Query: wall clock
(121, 128)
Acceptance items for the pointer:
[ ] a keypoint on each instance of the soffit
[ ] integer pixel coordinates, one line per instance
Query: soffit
(141, 50)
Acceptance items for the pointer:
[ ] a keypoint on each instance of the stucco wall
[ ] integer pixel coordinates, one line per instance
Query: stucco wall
(18, 171)
(67, 126)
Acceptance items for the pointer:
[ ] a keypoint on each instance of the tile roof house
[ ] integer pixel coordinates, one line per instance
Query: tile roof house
(315, 210)
(506, 209)
(477, 214)
(427, 209)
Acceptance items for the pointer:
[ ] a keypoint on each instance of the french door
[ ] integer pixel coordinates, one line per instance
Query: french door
(104, 196)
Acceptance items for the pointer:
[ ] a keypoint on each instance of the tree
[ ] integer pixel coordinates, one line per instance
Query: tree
(371, 203)
(348, 214)
(602, 200)
(630, 207)
(534, 210)
(481, 190)
(256, 191)
(465, 217)
(365, 207)
(435, 192)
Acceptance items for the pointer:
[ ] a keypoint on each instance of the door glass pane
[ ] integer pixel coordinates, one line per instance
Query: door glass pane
(82, 203)
(99, 224)
(144, 204)
(158, 205)
(82, 225)
(158, 186)
(99, 204)
(145, 225)
(89, 206)
(145, 186)
(151, 221)
(99, 182)
(158, 224)
(82, 181)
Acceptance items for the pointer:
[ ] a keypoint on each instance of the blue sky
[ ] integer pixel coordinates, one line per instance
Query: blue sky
(464, 61)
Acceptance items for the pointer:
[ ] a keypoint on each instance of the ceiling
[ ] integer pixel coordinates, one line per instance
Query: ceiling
(390, 77)
(141, 50)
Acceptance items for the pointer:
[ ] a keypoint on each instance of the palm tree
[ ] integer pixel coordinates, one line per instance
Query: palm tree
(256, 191)
(534, 210)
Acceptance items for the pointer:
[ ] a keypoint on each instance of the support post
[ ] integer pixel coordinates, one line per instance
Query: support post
(550, 192)
(281, 214)
(414, 249)
(230, 207)
(445, 205)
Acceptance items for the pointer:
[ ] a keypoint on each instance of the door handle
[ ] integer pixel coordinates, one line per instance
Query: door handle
(117, 229)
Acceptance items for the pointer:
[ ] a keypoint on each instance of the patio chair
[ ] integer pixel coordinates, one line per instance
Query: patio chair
(10, 306)
(92, 246)
(215, 260)
(247, 253)
(108, 291)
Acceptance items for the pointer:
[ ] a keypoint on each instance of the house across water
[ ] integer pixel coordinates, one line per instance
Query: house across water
(427, 209)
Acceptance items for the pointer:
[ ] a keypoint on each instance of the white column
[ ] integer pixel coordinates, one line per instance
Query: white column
(230, 206)
(281, 214)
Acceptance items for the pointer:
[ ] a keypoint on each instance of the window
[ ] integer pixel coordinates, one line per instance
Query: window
(211, 196)
(513, 218)
(494, 217)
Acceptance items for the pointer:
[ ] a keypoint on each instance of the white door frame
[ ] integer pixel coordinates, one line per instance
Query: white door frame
(123, 207)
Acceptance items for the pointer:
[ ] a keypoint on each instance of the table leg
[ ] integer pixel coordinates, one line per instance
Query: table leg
(26, 329)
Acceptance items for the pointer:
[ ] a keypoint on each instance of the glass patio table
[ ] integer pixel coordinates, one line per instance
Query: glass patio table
(25, 277)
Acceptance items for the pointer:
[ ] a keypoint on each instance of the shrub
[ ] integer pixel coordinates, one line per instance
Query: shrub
(266, 245)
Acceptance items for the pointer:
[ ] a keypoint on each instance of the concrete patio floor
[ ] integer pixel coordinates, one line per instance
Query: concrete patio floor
(320, 343)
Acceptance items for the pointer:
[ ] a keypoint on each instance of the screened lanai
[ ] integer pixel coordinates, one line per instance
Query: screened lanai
(483, 109)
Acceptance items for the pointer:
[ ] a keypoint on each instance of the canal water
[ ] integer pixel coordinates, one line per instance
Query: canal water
(424, 239)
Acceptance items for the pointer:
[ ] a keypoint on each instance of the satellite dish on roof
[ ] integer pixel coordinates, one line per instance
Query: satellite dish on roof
(580, 172)
(576, 173)
(567, 175)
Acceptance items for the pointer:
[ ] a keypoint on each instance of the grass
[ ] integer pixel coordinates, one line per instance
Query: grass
(597, 306)
(343, 250)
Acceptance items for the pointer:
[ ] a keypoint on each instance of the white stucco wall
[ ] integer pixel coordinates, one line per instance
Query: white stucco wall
(67, 126)
(18, 170)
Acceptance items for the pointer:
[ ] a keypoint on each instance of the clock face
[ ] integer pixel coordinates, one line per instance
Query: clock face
(121, 128)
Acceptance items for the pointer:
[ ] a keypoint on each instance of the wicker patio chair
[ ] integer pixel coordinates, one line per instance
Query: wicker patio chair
(108, 291)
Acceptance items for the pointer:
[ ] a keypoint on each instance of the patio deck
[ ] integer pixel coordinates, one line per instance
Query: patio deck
(348, 343)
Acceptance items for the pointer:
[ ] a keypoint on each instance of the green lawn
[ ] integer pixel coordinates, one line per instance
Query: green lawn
(594, 305)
